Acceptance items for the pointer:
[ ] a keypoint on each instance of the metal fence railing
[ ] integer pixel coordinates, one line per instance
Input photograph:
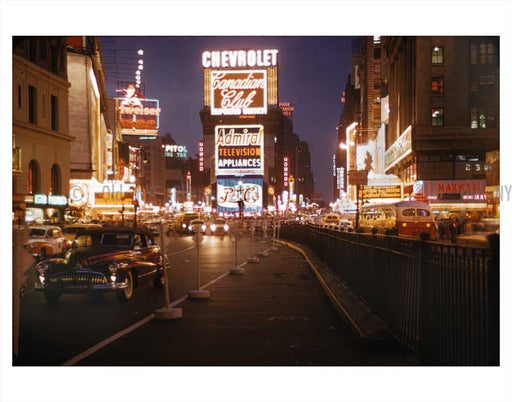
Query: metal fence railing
(441, 300)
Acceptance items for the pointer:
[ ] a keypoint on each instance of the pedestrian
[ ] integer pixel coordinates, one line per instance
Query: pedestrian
(453, 231)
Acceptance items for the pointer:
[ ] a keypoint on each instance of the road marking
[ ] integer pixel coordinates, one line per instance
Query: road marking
(120, 334)
(181, 251)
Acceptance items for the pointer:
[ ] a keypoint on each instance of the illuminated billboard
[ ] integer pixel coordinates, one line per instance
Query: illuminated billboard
(231, 190)
(239, 150)
(138, 115)
(237, 92)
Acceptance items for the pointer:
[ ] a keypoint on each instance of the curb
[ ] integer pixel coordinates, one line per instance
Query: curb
(360, 319)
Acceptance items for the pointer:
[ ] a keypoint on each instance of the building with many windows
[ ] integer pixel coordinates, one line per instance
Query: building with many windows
(41, 138)
(443, 117)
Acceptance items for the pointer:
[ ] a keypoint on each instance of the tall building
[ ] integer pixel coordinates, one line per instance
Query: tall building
(41, 137)
(443, 118)
(248, 140)
(87, 109)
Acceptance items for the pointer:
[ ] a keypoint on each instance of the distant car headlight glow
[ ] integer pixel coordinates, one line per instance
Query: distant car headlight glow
(226, 228)
(203, 227)
(184, 225)
(213, 227)
(189, 227)
(113, 278)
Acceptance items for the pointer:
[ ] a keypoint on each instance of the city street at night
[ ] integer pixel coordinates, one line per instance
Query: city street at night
(244, 202)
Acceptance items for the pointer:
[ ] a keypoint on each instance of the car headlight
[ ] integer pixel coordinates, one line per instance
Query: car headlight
(189, 227)
(213, 227)
(226, 228)
(203, 227)
(184, 225)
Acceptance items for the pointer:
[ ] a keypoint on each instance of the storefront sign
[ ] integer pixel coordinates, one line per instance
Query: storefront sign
(399, 150)
(176, 151)
(368, 192)
(239, 149)
(459, 191)
(55, 200)
(230, 191)
(236, 92)
(240, 58)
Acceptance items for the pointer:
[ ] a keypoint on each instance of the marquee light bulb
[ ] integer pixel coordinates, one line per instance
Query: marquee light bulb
(141, 67)
(140, 52)
(137, 72)
(141, 61)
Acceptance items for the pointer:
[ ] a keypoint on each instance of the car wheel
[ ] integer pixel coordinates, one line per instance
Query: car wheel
(158, 282)
(52, 296)
(127, 293)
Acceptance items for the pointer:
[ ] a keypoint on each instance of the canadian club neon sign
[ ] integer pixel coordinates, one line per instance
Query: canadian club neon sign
(235, 92)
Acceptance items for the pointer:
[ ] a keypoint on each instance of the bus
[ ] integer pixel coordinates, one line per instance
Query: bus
(404, 218)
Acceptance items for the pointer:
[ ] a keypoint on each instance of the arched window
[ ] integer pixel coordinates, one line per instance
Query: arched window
(34, 177)
(55, 188)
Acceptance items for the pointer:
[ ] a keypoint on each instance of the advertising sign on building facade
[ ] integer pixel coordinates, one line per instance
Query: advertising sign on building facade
(447, 191)
(138, 115)
(230, 191)
(239, 150)
(399, 149)
(286, 170)
(235, 92)
(175, 151)
(376, 192)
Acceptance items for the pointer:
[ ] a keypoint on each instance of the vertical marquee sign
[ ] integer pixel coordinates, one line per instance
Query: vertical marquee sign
(286, 171)
(201, 156)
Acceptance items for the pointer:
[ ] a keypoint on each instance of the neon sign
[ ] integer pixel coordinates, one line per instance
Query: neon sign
(239, 149)
(286, 171)
(201, 156)
(236, 92)
(240, 58)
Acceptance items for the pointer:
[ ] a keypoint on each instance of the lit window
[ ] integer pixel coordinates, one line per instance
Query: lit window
(474, 120)
(437, 55)
(437, 86)
(437, 117)
(486, 53)
(481, 120)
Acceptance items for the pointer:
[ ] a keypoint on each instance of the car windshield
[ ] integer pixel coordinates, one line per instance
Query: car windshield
(219, 221)
(196, 222)
(37, 232)
(117, 239)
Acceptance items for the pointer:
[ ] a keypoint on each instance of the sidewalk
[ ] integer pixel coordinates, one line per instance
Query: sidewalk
(275, 314)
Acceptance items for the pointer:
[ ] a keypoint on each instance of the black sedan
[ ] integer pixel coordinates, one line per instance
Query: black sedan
(103, 260)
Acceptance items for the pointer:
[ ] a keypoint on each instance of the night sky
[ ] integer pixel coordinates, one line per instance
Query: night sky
(312, 76)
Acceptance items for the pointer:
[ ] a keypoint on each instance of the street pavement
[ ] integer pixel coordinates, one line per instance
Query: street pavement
(275, 314)
(52, 334)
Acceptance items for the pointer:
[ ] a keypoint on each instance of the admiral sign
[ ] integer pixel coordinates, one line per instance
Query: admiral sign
(239, 149)
(238, 92)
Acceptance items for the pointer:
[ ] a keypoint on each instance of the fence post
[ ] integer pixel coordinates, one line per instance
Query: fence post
(494, 300)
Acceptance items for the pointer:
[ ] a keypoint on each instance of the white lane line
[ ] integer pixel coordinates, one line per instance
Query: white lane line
(138, 324)
(181, 251)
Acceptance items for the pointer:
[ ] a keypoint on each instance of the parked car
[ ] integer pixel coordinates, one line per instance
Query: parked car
(45, 241)
(219, 226)
(103, 260)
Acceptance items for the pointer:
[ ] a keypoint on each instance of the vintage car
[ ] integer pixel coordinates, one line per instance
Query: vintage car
(196, 224)
(219, 226)
(103, 260)
(45, 241)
